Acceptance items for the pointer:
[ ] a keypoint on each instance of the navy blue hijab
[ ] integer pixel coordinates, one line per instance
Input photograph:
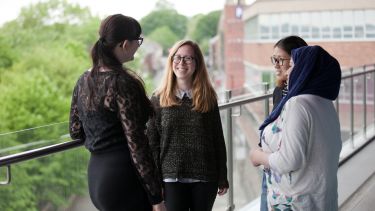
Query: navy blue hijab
(315, 72)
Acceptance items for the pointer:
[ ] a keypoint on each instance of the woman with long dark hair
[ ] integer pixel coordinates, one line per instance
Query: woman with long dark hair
(109, 111)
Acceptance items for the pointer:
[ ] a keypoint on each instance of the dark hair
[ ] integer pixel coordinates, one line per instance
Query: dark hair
(289, 43)
(113, 30)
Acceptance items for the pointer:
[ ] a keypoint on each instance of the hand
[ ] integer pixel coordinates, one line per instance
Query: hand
(254, 154)
(222, 191)
(258, 157)
(159, 207)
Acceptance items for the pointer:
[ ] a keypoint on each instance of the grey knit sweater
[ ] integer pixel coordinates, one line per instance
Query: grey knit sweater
(188, 144)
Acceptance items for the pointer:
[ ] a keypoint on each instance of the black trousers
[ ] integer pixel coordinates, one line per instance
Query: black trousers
(197, 196)
(113, 183)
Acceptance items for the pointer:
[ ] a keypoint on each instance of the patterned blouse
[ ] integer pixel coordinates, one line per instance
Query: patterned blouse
(118, 120)
(305, 144)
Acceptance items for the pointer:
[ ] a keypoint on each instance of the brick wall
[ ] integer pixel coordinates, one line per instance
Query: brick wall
(349, 54)
(233, 48)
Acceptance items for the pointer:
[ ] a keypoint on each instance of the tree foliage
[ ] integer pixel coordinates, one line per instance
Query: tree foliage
(204, 28)
(165, 37)
(165, 18)
(42, 53)
(163, 4)
(7, 56)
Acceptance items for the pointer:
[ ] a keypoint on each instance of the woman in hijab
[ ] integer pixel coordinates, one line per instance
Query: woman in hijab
(301, 139)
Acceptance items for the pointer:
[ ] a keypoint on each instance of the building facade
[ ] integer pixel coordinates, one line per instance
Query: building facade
(345, 28)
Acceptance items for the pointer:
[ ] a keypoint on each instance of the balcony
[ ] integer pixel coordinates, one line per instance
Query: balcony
(49, 172)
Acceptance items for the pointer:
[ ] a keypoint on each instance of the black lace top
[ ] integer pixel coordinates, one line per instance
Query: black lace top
(118, 120)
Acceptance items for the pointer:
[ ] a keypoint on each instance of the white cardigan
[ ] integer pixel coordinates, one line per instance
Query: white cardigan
(305, 143)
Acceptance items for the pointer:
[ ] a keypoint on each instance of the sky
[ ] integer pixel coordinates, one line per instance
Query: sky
(9, 10)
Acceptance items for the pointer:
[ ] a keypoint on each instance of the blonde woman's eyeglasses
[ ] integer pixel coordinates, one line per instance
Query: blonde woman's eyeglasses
(187, 59)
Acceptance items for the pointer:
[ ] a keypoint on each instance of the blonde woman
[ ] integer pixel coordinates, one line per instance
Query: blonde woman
(186, 135)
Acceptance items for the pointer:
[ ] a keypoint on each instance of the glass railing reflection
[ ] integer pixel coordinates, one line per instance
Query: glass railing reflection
(48, 183)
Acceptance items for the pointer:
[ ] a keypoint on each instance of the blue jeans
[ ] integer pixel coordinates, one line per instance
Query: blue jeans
(263, 196)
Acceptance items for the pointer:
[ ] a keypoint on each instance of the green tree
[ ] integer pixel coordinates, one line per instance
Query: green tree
(7, 56)
(165, 17)
(205, 28)
(42, 54)
(165, 37)
(192, 25)
(40, 66)
(163, 4)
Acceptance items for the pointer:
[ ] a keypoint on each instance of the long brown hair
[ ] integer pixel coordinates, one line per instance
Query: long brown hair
(204, 95)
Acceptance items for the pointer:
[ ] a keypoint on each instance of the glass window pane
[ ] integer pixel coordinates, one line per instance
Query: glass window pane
(251, 29)
(275, 26)
(359, 21)
(264, 26)
(336, 25)
(315, 25)
(284, 23)
(305, 22)
(370, 23)
(348, 22)
(326, 23)
(294, 25)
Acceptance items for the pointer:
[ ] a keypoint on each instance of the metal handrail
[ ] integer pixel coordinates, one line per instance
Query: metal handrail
(244, 101)
(353, 74)
(43, 151)
(228, 105)
(39, 152)
(32, 154)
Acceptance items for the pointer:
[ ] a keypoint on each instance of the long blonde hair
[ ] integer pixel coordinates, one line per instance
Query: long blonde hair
(204, 96)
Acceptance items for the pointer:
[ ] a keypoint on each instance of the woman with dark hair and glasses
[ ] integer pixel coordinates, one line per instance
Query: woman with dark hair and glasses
(109, 111)
(186, 135)
(301, 139)
(280, 58)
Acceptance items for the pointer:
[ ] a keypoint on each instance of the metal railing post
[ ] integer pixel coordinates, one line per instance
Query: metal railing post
(228, 96)
(364, 102)
(266, 86)
(8, 179)
(351, 109)
(337, 103)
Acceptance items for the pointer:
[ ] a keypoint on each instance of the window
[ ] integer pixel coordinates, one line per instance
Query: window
(326, 25)
(275, 21)
(370, 25)
(294, 22)
(348, 23)
(336, 25)
(251, 29)
(284, 24)
(305, 23)
(265, 26)
(315, 25)
(359, 20)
